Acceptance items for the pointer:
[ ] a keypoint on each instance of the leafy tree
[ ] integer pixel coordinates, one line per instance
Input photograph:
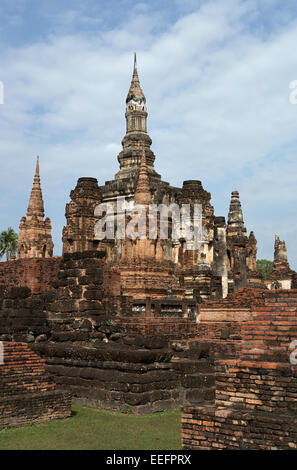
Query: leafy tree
(265, 267)
(8, 243)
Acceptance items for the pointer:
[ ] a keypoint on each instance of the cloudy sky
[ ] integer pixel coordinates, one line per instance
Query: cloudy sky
(216, 75)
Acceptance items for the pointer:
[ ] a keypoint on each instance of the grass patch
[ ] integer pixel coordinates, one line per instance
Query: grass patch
(92, 429)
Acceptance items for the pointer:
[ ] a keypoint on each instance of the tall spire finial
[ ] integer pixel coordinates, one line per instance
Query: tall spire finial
(135, 92)
(37, 167)
(136, 132)
(135, 73)
(36, 206)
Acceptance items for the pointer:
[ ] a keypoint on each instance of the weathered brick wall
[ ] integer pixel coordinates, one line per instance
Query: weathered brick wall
(255, 408)
(214, 348)
(107, 359)
(256, 392)
(80, 302)
(281, 299)
(122, 377)
(81, 312)
(30, 318)
(23, 316)
(2, 294)
(27, 394)
(141, 277)
(88, 354)
(83, 305)
(89, 268)
(219, 330)
(222, 323)
(268, 335)
(209, 428)
(244, 297)
(37, 273)
(223, 318)
(167, 326)
(267, 387)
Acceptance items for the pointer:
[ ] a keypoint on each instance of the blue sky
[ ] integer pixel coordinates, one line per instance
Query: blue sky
(216, 76)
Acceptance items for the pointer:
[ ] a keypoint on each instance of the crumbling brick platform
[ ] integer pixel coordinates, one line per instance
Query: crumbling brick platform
(27, 394)
(142, 377)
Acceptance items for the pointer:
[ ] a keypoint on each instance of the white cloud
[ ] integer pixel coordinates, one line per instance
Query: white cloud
(218, 100)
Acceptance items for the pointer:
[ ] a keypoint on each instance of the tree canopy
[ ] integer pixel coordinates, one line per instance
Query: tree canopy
(8, 243)
(265, 267)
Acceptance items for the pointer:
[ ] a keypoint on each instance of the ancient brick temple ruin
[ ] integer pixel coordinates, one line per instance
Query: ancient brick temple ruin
(226, 259)
(282, 277)
(35, 240)
(149, 324)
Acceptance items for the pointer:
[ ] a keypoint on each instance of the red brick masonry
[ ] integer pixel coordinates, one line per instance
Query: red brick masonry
(36, 273)
(210, 428)
(256, 392)
(27, 394)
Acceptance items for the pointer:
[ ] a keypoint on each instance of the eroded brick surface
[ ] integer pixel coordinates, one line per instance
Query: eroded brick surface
(256, 390)
(27, 393)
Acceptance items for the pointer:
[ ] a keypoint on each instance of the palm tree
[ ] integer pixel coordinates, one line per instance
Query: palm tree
(8, 243)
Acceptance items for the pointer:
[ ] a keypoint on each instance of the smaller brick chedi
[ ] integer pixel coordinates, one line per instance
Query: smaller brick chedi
(35, 239)
(78, 235)
(241, 249)
(282, 275)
